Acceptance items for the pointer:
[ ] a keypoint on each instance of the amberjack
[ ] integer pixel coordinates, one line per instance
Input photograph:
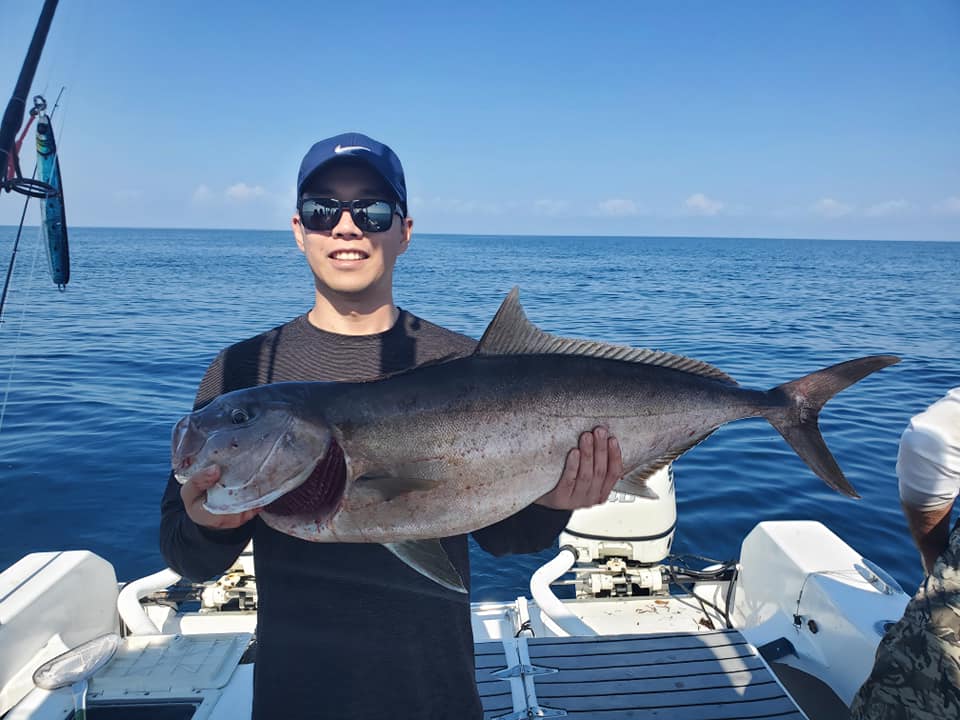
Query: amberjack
(451, 447)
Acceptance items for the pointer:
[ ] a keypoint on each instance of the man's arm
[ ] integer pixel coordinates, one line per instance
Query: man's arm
(589, 474)
(930, 530)
(928, 473)
(194, 542)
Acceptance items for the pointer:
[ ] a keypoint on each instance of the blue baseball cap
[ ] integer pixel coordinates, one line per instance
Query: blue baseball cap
(360, 147)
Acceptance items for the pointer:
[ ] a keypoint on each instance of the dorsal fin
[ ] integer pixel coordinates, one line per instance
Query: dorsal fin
(511, 333)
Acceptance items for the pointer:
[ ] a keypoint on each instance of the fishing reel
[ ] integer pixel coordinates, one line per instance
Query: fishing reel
(29, 186)
(13, 179)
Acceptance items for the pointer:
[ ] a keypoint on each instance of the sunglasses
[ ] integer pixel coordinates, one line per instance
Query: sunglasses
(370, 215)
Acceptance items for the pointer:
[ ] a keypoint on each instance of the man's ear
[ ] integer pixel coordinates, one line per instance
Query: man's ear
(407, 233)
(297, 228)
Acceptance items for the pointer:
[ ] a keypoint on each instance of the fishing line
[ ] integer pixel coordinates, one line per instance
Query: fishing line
(52, 61)
(13, 254)
(23, 315)
(33, 265)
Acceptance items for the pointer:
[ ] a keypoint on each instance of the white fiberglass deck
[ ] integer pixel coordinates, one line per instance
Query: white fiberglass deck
(682, 676)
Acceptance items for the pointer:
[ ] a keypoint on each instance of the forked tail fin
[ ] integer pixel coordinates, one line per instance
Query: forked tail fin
(797, 406)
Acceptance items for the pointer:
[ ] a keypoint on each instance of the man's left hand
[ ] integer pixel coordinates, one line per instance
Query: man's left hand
(589, 474)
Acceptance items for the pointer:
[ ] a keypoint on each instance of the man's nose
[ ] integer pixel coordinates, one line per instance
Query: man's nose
(346, 227)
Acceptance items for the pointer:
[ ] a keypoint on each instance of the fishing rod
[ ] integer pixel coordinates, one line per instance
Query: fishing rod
(11, 177)
(16, 108)
(11, 123)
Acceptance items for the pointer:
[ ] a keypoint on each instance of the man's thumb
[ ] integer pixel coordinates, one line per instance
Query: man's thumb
(206, 478)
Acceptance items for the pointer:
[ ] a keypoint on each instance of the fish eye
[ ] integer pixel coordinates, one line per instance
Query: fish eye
(238, 416)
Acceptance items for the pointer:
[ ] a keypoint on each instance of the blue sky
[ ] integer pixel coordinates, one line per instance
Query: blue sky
(768, 119)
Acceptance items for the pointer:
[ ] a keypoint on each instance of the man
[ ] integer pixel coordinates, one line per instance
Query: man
(916, 675)
(348, 630)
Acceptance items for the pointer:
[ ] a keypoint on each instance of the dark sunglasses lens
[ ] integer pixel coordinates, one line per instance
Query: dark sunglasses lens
(319, 213)
(373, 215)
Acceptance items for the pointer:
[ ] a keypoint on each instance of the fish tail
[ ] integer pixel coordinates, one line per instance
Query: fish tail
(795, 407)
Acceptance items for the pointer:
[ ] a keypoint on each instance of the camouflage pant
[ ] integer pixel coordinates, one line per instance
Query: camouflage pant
(916, 675)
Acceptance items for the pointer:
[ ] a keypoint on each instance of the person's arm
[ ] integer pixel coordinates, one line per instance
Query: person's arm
(196, 551)
(194, 542)
(533, 529)
(930, 530)
(928, 472)
(589, 474)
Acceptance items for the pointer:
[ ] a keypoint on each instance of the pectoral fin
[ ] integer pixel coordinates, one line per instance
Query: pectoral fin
(389, 487)
(429, 559)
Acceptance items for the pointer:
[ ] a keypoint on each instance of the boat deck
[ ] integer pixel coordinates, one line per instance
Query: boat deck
(679, 675)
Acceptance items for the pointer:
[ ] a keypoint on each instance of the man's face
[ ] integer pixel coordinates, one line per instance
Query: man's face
(346, 261)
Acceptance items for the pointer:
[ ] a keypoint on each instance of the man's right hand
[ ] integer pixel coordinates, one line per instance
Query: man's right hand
(194, 493)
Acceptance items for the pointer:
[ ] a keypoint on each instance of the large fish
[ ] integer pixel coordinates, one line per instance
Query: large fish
(451, 447)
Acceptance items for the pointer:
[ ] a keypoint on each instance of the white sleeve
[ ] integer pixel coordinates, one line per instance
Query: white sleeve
(928, 463)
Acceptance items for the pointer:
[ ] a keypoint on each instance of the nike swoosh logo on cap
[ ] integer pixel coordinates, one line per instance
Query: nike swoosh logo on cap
(347, 148)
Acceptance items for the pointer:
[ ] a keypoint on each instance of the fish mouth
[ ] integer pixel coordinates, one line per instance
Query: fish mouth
(187, 442)
(186, 470)
(182, 476)
(266, 499)
(320, 494)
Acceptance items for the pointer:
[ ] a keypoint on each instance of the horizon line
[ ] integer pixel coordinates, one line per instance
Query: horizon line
(521, 235)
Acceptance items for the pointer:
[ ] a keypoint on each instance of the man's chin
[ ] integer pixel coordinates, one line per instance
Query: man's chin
(355, 288)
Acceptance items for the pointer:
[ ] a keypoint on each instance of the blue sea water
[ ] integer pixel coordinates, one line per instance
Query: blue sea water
(96, 376)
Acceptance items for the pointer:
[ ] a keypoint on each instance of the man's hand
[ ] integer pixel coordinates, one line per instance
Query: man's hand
(590, 472)
(194, 492)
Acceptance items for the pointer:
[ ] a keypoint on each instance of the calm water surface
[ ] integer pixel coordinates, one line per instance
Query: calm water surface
(97, 375)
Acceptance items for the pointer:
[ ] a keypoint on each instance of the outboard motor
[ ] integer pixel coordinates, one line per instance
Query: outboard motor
(619, 543)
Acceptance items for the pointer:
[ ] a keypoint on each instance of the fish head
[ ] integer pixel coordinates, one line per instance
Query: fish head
(263, 439)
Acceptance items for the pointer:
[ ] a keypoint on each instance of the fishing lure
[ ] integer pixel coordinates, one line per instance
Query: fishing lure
(52, 213)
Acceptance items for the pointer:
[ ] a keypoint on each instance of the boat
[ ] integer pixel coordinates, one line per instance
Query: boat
(788, 630)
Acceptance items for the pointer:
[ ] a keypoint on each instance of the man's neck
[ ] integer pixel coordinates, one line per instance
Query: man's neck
(346, 317)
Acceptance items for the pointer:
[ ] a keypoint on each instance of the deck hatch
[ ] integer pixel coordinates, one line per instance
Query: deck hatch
(683, 676)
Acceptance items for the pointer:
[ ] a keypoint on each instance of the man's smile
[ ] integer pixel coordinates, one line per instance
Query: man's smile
(348, 255)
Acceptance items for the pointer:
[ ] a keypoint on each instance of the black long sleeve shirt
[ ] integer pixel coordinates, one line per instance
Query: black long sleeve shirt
(347, 630)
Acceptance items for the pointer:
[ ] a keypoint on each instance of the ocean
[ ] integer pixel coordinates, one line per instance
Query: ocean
(95, 377)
